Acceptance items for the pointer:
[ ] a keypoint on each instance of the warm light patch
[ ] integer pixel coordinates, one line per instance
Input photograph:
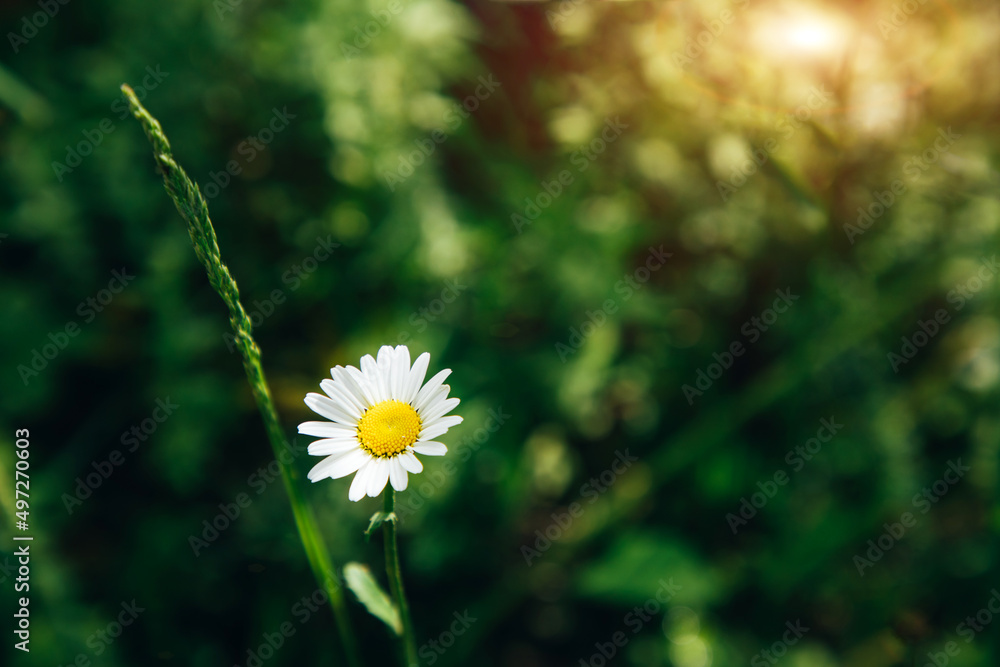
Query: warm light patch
(803, 34)
(812, 36)
(388, 428)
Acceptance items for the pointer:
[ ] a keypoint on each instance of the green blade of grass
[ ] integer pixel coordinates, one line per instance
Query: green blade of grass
(193, 208)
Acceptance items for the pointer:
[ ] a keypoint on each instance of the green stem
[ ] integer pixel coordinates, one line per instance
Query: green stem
(193, 208)
(395, 575)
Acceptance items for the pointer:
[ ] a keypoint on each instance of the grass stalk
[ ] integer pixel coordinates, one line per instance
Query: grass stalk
(194, 210)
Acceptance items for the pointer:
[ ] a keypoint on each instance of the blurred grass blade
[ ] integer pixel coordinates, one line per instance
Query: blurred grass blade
(28, 105)
(193, 208)
(360, 580)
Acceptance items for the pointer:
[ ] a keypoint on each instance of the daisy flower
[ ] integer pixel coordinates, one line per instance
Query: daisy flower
(380, 417)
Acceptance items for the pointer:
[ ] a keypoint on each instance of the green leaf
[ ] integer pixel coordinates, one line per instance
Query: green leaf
(360, 580)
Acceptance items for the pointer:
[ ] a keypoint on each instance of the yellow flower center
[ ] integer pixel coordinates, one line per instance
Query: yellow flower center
(388, 428)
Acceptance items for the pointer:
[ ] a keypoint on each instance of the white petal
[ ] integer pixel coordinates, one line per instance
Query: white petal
(373, 376)
(326, 407)
(327, 430)
(416, 378)
(427, 400)
(397, 475)
(332, 446)
(366, 388)
(343, 396)
(385, 363)
(410, 462)
(428, 403)
(448, 422)
(430, 448)
(357, 491)
(400, 372)
(378, 476)
(339, 465)
(434, 430)
(430, 389)
(351, 380)
(432, 412)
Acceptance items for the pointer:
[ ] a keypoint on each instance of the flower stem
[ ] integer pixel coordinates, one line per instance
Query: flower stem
(193, 208)
(395, 575)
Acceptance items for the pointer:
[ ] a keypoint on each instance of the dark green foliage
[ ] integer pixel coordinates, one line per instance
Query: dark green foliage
(567, 357)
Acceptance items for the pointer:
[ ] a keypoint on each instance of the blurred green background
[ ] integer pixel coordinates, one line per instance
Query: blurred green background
(509, 237)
